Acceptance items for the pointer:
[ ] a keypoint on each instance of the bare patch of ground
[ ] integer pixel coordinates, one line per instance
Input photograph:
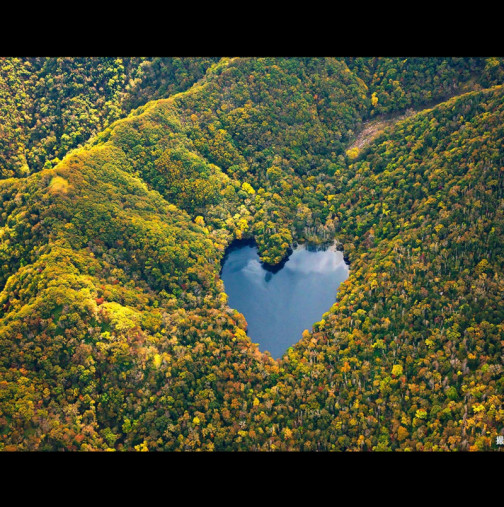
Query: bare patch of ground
(373, 128)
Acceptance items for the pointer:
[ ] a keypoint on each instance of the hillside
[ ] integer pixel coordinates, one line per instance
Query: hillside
(115, 332)
(52, 105)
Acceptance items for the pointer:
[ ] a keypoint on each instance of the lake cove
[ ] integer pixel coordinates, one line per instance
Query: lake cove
(279, 303)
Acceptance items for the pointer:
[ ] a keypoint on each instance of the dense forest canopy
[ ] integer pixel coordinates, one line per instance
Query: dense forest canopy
(122, 182)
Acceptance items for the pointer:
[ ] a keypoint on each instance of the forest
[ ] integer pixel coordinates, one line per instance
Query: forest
(124, 180)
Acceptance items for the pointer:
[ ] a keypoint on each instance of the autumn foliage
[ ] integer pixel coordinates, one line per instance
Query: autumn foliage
(115, 332)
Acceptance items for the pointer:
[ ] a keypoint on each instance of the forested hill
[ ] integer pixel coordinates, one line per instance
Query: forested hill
(51, 105)
(115, 332)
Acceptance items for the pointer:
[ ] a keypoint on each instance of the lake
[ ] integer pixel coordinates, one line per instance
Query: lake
(280, 303)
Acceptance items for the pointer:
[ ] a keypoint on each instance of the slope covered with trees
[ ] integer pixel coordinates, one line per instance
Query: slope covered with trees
(417, 334)
(52, 105)
(115, 333)
(396, 84)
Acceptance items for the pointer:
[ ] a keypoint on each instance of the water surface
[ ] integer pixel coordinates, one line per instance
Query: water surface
(280, 304)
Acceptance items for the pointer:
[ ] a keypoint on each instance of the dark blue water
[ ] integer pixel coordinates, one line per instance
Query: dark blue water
(279, 306)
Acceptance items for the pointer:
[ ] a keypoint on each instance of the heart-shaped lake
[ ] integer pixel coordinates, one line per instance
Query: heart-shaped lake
(280, 304)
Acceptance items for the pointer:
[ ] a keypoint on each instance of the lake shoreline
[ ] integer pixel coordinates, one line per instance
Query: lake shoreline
(279, 304)
(274, 268)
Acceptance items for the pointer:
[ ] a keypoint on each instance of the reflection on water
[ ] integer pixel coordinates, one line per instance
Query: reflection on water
(279, 305)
